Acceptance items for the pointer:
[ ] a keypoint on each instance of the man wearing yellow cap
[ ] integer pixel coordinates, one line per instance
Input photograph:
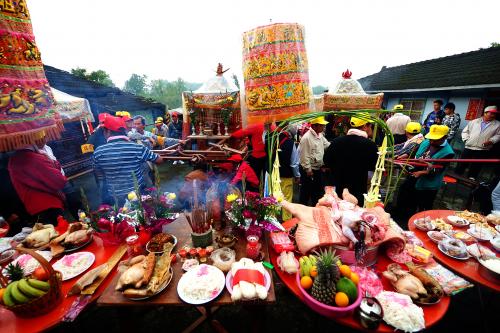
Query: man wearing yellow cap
(352, 156)
(312, 148)
(160, 128)
(414, 138)
(419, 190)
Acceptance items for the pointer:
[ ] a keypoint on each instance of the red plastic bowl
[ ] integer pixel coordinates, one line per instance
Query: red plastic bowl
(326, 310)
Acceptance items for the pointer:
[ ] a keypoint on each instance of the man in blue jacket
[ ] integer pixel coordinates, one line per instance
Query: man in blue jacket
(420, 188)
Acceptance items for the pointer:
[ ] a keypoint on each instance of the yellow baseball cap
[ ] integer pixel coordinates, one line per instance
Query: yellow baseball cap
(159, 120)
(320, 120)
(436, 132)
(358, 122)
(413, 127)
(398, 107)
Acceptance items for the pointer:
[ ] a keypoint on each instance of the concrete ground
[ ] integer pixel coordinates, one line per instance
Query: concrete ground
(474, 309)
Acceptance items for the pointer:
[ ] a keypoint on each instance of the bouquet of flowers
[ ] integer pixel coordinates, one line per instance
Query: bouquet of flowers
(253, 213)
(112, 227)
(153, 210)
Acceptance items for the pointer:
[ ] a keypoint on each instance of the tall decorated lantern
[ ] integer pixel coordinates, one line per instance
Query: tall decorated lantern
(275, 72)
(26, 101)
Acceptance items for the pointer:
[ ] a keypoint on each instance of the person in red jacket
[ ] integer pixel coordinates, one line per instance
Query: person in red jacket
(38, 182)
(257, 159)
(243, 168)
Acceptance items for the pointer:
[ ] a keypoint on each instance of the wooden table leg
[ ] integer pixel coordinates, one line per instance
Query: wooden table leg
(206, 315)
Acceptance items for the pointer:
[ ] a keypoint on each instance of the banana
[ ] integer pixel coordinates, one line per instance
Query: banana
(42, 285)
(17, 295)
(312, 257)
(302, 265)
(307, 266)
(7, 297)
(29, 290)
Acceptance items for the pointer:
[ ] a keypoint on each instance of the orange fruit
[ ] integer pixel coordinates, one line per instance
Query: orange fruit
(306, 282)
(341, 299)
(345, 271)
(313, 272)
(2, 291)
(355, 278)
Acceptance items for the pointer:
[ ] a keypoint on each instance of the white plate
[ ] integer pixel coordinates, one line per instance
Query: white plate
(193, 275)
(434, 239)
(495, 242)
(474, 249)
(72, 265)
(421, 227)
(457, 221)
(442, 249)
(28, 263)
(162, 287)
(482, 236)
(497, 227)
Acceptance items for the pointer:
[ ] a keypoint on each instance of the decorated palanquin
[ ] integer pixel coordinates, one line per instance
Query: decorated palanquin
(276, 73)
(215, 106)
(349, 95)
(25, 96)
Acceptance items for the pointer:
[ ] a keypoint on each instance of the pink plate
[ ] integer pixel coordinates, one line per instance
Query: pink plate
(229, 281)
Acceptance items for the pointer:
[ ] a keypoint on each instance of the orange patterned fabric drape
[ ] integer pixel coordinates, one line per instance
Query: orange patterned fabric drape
(26, 101)
(275, 72)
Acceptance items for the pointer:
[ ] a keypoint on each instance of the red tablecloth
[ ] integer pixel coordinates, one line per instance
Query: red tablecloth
(432, 314)
(468, 269)
(10, 323)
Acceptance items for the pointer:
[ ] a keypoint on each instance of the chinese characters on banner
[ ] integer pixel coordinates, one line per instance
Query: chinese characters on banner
(475, 108)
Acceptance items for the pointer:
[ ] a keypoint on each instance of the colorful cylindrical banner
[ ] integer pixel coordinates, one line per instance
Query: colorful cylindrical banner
(25, 97)
(276, 73)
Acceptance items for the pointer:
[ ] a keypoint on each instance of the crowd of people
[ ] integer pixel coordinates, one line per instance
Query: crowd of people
(124, 154)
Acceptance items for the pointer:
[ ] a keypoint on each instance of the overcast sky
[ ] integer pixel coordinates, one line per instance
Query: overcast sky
(171, 39)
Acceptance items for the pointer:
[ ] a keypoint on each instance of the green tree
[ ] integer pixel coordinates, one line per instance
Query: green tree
(98, 76)
(137, 84)
(495, 44)
(80, 72)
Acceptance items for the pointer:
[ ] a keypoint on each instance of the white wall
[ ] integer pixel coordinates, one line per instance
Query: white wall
(461, 105)
(391, 102)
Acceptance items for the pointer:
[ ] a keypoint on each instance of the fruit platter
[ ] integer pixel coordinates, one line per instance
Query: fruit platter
(328, 286)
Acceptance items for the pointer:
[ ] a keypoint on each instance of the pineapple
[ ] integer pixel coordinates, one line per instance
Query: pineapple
(14, 272)
(323, 289)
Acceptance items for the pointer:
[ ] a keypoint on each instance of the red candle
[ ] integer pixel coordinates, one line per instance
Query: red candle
(183, 254)
(192, 253)
(203, 255)
(253, 247)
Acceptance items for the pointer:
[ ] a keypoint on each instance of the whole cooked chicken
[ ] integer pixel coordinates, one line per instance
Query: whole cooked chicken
(138, 273)
(41, 235)
(404, 282)
(78, 237)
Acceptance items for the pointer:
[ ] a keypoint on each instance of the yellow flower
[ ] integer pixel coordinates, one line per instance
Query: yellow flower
(132, 196)
(231, 197)
(124, 210)
(279, 196)
(171, 196)
(82, 215)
